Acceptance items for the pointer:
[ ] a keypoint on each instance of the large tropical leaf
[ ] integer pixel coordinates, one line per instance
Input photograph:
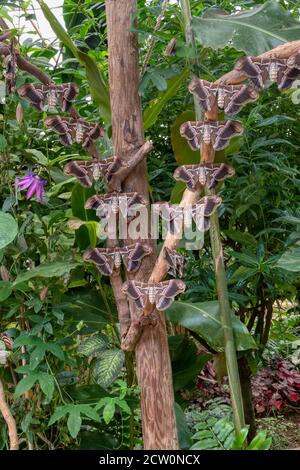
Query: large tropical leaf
(108, 366)
(156, 106)
(252, 31)
(8, 229)
(98, 87)
(86, 235)
(204, 319)
(290, 261)
(46, 270)
(183, 153)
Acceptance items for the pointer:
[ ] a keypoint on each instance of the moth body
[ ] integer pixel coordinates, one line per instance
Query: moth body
(117, 259)
(221, 98)
(202, 175)
(52, 100)
(79, 133)
(152, 294)
(206, 133)
(273, 71)
(115, 205)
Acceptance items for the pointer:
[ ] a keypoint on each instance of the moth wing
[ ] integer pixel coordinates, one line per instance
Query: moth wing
(133, 256)
(252, 70)
(220, 173)
(188, 175)
(167, 291)
(211, 203)
(293, 61)
(137, 292)
(35, 96)
(61, 127)
(243, 95)
(83, 172)
(189, 131)
(225, 133)
(70, 91)
(95, 202)
(205, 93)
(288, 78)
(103, 260)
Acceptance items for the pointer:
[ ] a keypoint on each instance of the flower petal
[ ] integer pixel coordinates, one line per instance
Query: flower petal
(32, 190)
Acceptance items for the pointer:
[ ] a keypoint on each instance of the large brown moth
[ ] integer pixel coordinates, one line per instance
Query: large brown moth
(49, 96)
(280, 71)
(116, 202)
(204, 174)
(160, 294)
(10, 70)
(218, 133)
(175, 262)
(108, 260)
(70, 129)
(231, 98)
(200, 212)
(4, 35)
(87, 171)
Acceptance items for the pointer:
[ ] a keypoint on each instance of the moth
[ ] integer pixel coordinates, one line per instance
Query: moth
(231, 98)
(175, 262)
(200, 212)
(7, 340)
(160, 294)
(280, 71)
(4, 35)
(49, 96)
(69, 129)
(108, 260)
(88, 171)
(10, 70)
(116, 202)
(207, 175)
(218, 133)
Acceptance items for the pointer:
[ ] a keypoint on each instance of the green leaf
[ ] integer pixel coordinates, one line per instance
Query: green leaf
(5, 290)
(252, 31)
(184, 436)
(59, 413)
(290, 261)
(98, 87)
(56, 350)
(26, 383)
(8, 229)
(46, 270)
(3, 141)
(36, 356)
(177, 192)
(38, 156)
(109, 411)
(93, 345)
(47, 384)
(260, 442)
(108, 366)
(74, 422)
(84, 236)
(183, 153)
(158, 80)
(156, 106)
(204, 319)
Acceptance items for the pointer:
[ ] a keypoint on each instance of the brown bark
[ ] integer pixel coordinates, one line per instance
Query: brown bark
(152, 353)
(9, 419)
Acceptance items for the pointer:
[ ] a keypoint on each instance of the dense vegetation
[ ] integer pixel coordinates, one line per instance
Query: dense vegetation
(66, 378)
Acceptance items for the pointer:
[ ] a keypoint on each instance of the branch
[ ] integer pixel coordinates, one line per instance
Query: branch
(284, 51)
(115, 182)
(9, 419)
(130, 340)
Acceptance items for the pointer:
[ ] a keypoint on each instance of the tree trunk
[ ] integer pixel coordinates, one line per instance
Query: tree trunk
(245, 379)
(152, 354)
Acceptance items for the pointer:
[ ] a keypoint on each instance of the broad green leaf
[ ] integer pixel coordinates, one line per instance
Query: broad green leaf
(38, 156)
(156, 106)
(184, 436)
(94, 75)
(93, 345)
(26, 383)
(46, 270)
(3, 141)
(46, 382)
(5, 290)
(109, 411)
(36, 356)
(252, 31)
(108, 366)
(177, 192)
(59, 413)
(74, 422)
(204, 319)
(183, 153)
(56, 350)
(85, 237)
(290, 261)
(8, 229)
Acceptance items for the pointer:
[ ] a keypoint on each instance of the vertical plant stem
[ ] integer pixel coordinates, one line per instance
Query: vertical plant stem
(217, 251)
(225, 314)
(9, 419)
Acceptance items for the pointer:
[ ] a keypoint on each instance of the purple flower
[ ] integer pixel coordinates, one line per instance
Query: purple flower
(34, 183)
